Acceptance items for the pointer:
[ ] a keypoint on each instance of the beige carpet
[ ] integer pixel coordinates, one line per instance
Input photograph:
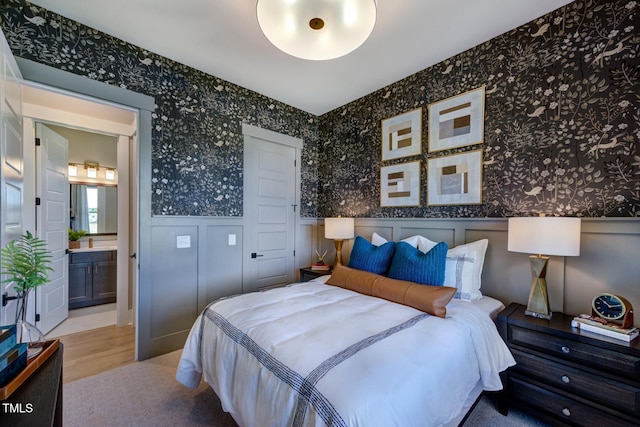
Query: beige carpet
(147, 394)
(141, 394)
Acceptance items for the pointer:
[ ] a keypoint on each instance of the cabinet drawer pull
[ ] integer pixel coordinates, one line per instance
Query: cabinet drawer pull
(566, 379)
(565, 349)
(566, 412)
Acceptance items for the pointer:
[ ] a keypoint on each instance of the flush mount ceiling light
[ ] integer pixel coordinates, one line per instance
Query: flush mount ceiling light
(319, 29)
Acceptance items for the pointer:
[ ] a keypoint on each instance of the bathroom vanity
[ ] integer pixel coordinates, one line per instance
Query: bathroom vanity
(92, 277)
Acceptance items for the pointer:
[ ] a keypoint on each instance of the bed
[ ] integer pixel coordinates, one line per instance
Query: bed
(318, 354)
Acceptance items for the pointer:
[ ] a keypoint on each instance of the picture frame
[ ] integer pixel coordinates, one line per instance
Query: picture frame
(402, 135)
(457, 121)
(455, 179)
(400, 185)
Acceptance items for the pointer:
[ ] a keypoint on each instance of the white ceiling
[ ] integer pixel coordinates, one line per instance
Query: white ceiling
(222, 38)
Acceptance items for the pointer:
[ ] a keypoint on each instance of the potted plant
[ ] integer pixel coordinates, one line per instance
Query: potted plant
(74, 236)
(26, 262)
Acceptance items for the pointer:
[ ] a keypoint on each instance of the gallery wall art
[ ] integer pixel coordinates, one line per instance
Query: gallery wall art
(400, 185)
(455, 179)
(402, 135)
(457, 121)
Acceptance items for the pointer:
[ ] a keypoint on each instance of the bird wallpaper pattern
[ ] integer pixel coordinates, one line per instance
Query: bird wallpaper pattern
(561, 130)
(197, 141)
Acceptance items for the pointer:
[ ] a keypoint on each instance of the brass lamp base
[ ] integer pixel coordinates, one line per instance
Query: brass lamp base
(538, 305)
(338, 245)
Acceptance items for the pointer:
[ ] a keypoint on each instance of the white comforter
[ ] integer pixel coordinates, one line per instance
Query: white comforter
(312, 355)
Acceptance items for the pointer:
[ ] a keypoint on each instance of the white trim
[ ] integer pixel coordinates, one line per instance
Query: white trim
(271, 136)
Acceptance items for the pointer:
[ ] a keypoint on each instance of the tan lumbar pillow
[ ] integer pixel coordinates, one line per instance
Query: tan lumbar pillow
(430, 299)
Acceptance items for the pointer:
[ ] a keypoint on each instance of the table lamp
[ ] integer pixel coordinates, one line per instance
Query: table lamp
(543, 235)
(338, 229)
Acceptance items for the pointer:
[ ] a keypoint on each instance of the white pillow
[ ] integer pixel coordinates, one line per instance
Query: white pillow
(464, 264)
(463, 269)
(416, 241)
(377, 240)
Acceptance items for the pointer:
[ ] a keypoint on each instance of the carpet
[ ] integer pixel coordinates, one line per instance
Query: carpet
(147, 394)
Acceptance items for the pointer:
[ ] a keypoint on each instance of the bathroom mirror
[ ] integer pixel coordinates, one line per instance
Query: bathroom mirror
(93, 208)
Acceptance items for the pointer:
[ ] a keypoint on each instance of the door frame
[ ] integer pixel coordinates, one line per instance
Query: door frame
(35, 114)
(276, 138)
(144, 105)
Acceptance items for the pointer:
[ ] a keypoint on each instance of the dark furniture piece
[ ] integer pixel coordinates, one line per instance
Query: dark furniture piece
(569, 377)
(92, 278)
(34, 396)
(308, 273)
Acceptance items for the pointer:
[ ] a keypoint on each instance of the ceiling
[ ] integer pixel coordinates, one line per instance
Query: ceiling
(222, 38)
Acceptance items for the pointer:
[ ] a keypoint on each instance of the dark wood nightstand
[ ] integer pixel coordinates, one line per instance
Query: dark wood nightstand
(307, 273)
(34, 396)
(570, 377)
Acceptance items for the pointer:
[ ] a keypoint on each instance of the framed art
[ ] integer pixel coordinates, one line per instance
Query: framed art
(455, 179)
(402, 135)
(400, 185)
(457, 121)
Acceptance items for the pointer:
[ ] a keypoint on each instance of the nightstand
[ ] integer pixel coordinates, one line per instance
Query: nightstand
(307, 274)
(34, 396)
(569, 377)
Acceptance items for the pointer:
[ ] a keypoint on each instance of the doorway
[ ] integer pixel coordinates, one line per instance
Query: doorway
(271, 201)
(71, 116)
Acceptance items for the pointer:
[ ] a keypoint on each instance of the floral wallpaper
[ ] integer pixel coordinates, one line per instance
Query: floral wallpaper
(197, 124)
(562, 122)
(561, 134)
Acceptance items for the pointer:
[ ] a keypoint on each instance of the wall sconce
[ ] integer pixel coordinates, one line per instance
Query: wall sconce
(338, 229)
(110, 174)
(543, 235)
(92, 169)
(73, 169)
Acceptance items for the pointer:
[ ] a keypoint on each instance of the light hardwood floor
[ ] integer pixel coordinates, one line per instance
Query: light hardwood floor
(92, 352)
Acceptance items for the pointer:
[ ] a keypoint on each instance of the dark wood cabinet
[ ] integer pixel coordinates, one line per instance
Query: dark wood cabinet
(92, 278)
(34, 396)
(567, 376)
(308, 273)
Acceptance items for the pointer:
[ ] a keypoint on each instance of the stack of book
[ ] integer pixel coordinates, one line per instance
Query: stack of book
(13, 356)
(320, 266)
(600, 326)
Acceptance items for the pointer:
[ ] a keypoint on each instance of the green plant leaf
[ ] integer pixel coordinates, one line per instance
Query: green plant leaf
(25, 262)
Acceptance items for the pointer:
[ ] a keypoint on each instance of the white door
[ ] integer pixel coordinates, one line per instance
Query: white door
(11, 164)
(52, 300)
(270, 194)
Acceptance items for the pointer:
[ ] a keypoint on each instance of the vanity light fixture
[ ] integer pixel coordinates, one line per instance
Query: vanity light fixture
(319, 29)
(110, 174)
(73, 169)
(92, 169)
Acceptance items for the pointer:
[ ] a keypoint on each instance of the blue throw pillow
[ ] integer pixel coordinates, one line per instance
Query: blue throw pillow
(416, 266)
(368, 257)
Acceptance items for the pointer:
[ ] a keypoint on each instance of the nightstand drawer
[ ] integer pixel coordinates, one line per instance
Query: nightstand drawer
(569, 410)
(576, 381)
(597, 357)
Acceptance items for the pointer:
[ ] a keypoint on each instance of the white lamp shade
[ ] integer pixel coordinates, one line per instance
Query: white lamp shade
(338, 228)
(545, 235)
(345, 25)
